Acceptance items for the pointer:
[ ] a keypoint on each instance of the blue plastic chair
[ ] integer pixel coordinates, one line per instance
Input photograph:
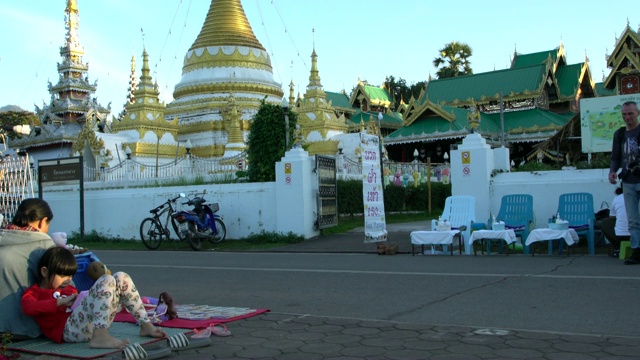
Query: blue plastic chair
(516, 211)
(577, 209)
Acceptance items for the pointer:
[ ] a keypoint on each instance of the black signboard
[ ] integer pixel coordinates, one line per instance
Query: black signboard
(63, 170)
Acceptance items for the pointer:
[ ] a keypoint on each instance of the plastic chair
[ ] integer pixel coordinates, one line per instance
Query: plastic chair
(577, 209)
(459, 211)
(516, 211)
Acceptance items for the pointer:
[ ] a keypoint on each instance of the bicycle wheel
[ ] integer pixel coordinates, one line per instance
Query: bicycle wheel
(151, 233)
(221, 231)
(179, 229)
(192, 237)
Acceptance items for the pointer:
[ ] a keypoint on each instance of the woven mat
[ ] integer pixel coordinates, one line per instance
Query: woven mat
(200, 316)
(82, 350)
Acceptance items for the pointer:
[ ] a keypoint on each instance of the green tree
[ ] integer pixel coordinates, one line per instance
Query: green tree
(453, 60)
(266, 141)
(9, 119)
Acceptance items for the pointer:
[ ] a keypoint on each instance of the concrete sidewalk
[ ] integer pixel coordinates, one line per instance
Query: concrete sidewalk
(288, 336)
(353, 240)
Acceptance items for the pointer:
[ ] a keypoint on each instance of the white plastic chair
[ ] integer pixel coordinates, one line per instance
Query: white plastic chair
(459, 211)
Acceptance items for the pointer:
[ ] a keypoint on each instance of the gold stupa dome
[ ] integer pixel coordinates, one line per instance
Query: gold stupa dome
(226, 56)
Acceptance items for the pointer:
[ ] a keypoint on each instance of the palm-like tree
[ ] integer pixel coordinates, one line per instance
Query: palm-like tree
(453, 60)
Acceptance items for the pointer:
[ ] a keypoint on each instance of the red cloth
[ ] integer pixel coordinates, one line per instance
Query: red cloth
(23, 228)
(40, 304)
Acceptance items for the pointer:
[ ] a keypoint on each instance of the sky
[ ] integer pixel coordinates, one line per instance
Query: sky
(354, 39)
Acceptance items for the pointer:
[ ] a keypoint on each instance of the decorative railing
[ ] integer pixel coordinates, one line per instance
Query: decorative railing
(186, 166)
(400, 173)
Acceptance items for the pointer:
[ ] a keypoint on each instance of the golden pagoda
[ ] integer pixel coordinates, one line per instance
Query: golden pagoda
(316, 116)
(226, 72)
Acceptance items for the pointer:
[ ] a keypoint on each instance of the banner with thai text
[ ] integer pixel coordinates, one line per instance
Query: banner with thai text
(375, 228)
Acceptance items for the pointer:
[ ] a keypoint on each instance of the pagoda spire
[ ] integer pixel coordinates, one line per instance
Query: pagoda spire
(226, 24)
(72, 49)
(292, 97)
(314, 76)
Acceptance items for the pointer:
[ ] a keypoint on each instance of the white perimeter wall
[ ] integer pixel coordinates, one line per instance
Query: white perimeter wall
(247, 208)
(546, 187)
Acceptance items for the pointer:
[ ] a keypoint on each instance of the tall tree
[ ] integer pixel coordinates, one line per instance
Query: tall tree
(453, 60)
(266, 141)
(9, 119)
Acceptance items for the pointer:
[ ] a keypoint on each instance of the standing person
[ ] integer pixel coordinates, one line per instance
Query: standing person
(22, 243)
(625, 155)
(615, 228)
(52, 303)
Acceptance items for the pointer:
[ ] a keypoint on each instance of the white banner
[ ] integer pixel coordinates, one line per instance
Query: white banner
(375, 228)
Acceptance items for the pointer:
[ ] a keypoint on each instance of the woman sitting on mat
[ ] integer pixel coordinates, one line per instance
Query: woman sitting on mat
(52, 303)
(22, 243)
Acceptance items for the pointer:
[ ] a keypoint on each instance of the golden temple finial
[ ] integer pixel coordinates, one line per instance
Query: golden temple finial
(473, 117)
(226, 24)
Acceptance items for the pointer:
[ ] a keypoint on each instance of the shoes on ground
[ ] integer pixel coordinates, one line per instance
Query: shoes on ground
(634, 259)
(615, 253)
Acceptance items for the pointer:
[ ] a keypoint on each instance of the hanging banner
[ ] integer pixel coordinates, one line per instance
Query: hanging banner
(375, 228)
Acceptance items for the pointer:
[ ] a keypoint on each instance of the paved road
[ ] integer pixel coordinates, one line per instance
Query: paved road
(331, 300)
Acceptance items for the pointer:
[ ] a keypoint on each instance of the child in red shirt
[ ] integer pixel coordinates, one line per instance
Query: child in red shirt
(50, 303)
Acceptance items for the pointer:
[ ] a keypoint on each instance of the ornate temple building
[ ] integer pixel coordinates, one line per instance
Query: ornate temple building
(72, 106)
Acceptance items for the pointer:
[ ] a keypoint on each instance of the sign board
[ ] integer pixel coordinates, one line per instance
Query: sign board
(375, 227)
(599, 119)
(61, 171)
(466, 157)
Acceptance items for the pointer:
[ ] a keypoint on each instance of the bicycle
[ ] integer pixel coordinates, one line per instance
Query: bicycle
(152, 230)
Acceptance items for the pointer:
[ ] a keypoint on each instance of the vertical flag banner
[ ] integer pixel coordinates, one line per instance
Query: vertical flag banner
(375, 228)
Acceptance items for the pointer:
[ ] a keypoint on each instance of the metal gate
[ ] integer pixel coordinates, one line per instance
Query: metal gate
(327, 192)
(16, 184)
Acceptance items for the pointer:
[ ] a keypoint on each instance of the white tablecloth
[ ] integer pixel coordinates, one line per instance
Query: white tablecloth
(433, 237)
(507, 235)
(570, 236)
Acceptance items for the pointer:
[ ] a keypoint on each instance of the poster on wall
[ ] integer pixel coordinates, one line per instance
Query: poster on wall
(599, 119)
(375, 227)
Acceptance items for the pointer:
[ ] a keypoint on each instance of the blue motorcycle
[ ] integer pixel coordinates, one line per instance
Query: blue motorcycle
(200, 223)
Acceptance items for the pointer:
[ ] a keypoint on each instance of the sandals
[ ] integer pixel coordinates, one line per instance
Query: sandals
(219, 330)
(182, 342)
(215, 329)
(135, 351)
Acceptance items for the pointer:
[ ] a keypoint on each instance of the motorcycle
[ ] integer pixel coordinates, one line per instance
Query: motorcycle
(200, 223)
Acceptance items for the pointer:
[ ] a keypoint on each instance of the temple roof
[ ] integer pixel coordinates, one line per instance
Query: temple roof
(440, 122)
(390, 120)
(556, 55)
(570, 77)
(339, 100)
(603, 91)
(524, 82)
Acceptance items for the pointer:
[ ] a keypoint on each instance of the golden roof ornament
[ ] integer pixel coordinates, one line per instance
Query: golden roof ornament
(473, 117)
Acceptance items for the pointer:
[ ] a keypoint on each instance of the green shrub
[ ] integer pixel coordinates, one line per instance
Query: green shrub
(396, 198)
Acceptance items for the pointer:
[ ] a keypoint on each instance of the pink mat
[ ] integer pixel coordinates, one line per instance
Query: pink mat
(199, 316)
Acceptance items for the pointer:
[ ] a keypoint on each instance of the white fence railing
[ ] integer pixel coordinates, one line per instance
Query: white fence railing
(188, 166)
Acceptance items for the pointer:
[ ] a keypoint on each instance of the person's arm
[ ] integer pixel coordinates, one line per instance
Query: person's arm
(33, 306)
(616, 155)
